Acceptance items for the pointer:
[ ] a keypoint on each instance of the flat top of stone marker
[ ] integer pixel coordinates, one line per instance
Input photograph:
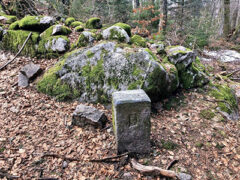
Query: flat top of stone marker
(130, 96)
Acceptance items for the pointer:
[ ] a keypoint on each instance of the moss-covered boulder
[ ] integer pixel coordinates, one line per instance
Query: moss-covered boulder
(69, 21)
(139, 41)
(93, 74)
(94, 23)
(6, 19)
(56, 30)
(79, 29)
(14, 39)
(14, 26)
(36, 23)
(76, 23)
(124, 26)
(1, 33)
(53, 46)
(86, 38)
(227, 101)
(116, 33)
(191, 71)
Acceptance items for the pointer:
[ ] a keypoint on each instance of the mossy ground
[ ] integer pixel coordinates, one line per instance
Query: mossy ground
(207, 114)
(14, 26)
(29, 22)
(10, 19)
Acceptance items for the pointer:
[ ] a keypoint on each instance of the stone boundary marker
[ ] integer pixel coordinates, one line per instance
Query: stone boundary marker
(131, 121)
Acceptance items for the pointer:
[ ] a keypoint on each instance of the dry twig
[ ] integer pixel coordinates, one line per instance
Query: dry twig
(3, 66)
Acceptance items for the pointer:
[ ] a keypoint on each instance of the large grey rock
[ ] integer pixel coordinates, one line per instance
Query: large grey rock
(88, 115)
(47, 20)
(58, 44)
(95, 73)
(28, 72)
(222, 55)
(116, 33)
(131, 121)
(190, 70)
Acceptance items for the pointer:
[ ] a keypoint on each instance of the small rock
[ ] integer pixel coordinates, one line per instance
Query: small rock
(127, 176)
(183, 176)
(14, 109)
(88, 115)
(64, 164)
(116, 33)
(59, 45)
(56, 29)
(28, 72)
(47, 20)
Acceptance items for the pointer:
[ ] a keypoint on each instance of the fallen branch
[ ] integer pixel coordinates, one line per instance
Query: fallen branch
(110, 158)
(172, 164)
(153, 170)
(61, 157)
(234, 72)
(3, 66)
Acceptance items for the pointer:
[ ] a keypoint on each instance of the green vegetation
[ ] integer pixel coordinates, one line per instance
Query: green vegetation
(10, 19)
(207, 114)
(69, 21)
(76, 23)
(79, 29)
(15, 39)
(48, 32)
(94, 23)
(138, 40)
(29, 22)
(14, 26)
(225, 97)
(169, 145)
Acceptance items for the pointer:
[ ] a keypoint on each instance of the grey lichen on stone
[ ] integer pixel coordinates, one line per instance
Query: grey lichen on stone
(96, 72)
(131, 121)
(116, 33)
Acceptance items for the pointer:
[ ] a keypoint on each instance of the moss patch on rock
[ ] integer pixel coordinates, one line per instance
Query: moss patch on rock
(138, 40)
(94, 23)
(29, 22)
(76, 23)
(50, 84)
(124, 26)
(14, 40)
(49, 32)
(79, 29)
(226, 98)
(69, 21)
(14, 26)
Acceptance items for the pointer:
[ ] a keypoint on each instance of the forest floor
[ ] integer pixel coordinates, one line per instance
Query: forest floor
(33, 125)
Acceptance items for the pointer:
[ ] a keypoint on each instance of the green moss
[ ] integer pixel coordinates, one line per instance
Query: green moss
(69, 21)
(48, 32)
(225, 96)
(138, 40)
(151, 53)
(177, 51)
(79, 29)
(76, 23)
(124, 26)
(169, 145)
(14, 39)
(115, 35)
(199, 145)
(90, 54)
(14, 26)
(207, 114)
(83, 40)
(29, 22)
(50, 84)
(94, 23)
(49, 53)
(10, 19)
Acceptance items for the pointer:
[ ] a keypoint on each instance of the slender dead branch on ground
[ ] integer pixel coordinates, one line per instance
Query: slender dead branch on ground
(61, 157)
(110, 158)
(232, 73)
(3, 66)
(153, 170)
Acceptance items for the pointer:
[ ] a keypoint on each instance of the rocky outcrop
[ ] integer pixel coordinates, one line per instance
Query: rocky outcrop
(93, 74)
(190, 70)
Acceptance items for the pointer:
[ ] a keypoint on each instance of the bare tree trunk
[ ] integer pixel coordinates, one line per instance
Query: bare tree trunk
(226, 26)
